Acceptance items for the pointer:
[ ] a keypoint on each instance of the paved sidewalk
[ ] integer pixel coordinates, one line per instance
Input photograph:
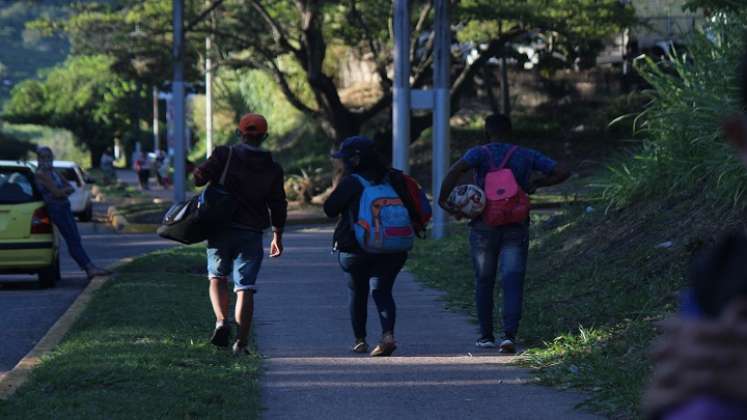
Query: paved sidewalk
(303, 329)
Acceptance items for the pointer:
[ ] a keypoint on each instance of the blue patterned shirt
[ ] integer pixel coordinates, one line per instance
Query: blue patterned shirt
(522, 163)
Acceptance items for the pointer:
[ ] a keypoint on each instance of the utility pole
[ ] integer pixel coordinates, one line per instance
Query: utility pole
(208, 98)
(156, 138)
(177, 87)
(208, 94)
(441, 110)
(401, 90)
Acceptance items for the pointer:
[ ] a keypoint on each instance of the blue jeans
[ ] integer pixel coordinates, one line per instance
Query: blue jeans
(62, 217)
(383, 269)
(237, 253)
(488, 245)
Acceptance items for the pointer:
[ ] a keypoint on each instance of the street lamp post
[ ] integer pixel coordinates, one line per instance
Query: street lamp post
(401, 90)
(441, 110)
(178, 98)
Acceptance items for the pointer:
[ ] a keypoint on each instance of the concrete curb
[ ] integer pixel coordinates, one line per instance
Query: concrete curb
(116, 219)
(13, 379)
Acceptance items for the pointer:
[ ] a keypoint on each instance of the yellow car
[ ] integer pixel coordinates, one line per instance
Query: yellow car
(28, 243)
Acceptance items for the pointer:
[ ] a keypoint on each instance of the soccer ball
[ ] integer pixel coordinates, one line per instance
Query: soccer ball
(469, 199)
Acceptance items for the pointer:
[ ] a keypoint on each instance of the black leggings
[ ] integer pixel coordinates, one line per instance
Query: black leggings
(383, 269)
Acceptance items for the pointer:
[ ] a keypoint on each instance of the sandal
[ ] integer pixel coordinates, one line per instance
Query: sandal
(386, 346)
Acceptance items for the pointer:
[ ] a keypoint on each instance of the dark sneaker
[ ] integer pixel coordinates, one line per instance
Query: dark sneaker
(485, 343)
(385, 348)
(221, 336)
(94, 271)
(239, 350)
(360, 346)
(508, 344)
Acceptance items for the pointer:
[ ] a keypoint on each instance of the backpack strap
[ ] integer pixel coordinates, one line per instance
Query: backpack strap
(362, 180)
(508, 156)
(491, 164)
(225, 168)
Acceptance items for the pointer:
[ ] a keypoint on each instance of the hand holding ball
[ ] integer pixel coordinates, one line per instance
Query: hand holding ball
(469, 200)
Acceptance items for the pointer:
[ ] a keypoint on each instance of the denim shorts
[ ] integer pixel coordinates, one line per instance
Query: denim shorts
(237, 253)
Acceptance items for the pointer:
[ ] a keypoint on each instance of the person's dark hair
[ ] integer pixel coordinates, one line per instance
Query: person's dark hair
(373, 163)
(497, 125)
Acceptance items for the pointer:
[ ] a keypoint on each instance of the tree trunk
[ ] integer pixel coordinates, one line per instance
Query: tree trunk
(489, 82)
(505, 92)
(96, 151)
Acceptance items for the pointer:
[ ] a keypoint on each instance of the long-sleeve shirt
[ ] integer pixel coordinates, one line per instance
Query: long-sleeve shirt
(256, 181)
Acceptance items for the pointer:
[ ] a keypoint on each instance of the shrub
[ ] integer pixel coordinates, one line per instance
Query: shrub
(683, 151)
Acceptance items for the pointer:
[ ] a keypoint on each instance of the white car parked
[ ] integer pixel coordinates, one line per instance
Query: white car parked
(80, 200)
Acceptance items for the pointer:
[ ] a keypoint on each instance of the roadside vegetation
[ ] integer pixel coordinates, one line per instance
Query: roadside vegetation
(599, 278)
(135, 354)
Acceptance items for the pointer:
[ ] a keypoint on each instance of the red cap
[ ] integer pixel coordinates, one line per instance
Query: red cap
(253, 125)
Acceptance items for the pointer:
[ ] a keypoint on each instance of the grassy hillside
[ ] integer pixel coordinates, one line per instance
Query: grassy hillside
(24, 52)
(598, 280)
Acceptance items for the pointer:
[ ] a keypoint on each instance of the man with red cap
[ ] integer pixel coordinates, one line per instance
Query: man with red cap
(256, 181)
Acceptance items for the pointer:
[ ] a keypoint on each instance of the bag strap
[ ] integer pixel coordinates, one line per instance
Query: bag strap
(225, 168)
(491, 164)
(362, 180)
(508, 157)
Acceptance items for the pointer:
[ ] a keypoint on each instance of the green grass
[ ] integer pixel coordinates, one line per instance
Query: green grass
(595, 284)
(140, 351)
(691, 95)
(147, 212)
(120, 190)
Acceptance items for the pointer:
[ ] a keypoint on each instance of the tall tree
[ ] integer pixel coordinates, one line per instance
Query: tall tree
(82, 95)
(291, 39)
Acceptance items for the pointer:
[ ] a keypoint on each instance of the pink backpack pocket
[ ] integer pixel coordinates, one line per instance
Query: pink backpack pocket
(506, 202)
(500, 185)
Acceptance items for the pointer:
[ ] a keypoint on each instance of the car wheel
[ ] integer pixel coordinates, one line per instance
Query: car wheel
(48, 276)
(87, 215)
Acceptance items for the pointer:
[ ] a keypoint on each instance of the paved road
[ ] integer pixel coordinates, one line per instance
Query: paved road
(303, 331)
(26, 313)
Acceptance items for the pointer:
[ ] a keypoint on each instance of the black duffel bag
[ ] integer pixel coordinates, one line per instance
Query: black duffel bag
(181, 223)
(191, 221)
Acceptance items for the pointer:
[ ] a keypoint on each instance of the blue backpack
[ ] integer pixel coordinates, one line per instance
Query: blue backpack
(383, 224)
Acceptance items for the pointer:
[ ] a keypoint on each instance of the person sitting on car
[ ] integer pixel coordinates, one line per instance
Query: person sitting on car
(55, 191)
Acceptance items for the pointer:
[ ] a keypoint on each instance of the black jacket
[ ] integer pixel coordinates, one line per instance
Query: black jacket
(255, 180)
(345, 201)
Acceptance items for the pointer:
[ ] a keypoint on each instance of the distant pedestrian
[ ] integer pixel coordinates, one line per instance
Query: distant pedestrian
(55, 191)
(142, 166)
(106, 164)
(367, 270)
(161, 168)
(509, 242)
(257, 183)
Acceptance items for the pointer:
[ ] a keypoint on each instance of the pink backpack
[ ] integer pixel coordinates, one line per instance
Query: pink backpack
(506, 203)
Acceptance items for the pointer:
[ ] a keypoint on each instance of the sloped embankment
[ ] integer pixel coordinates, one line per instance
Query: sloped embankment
(595, 286)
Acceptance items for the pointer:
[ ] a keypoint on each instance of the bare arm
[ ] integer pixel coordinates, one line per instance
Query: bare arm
(450, 182)
(557, 176)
